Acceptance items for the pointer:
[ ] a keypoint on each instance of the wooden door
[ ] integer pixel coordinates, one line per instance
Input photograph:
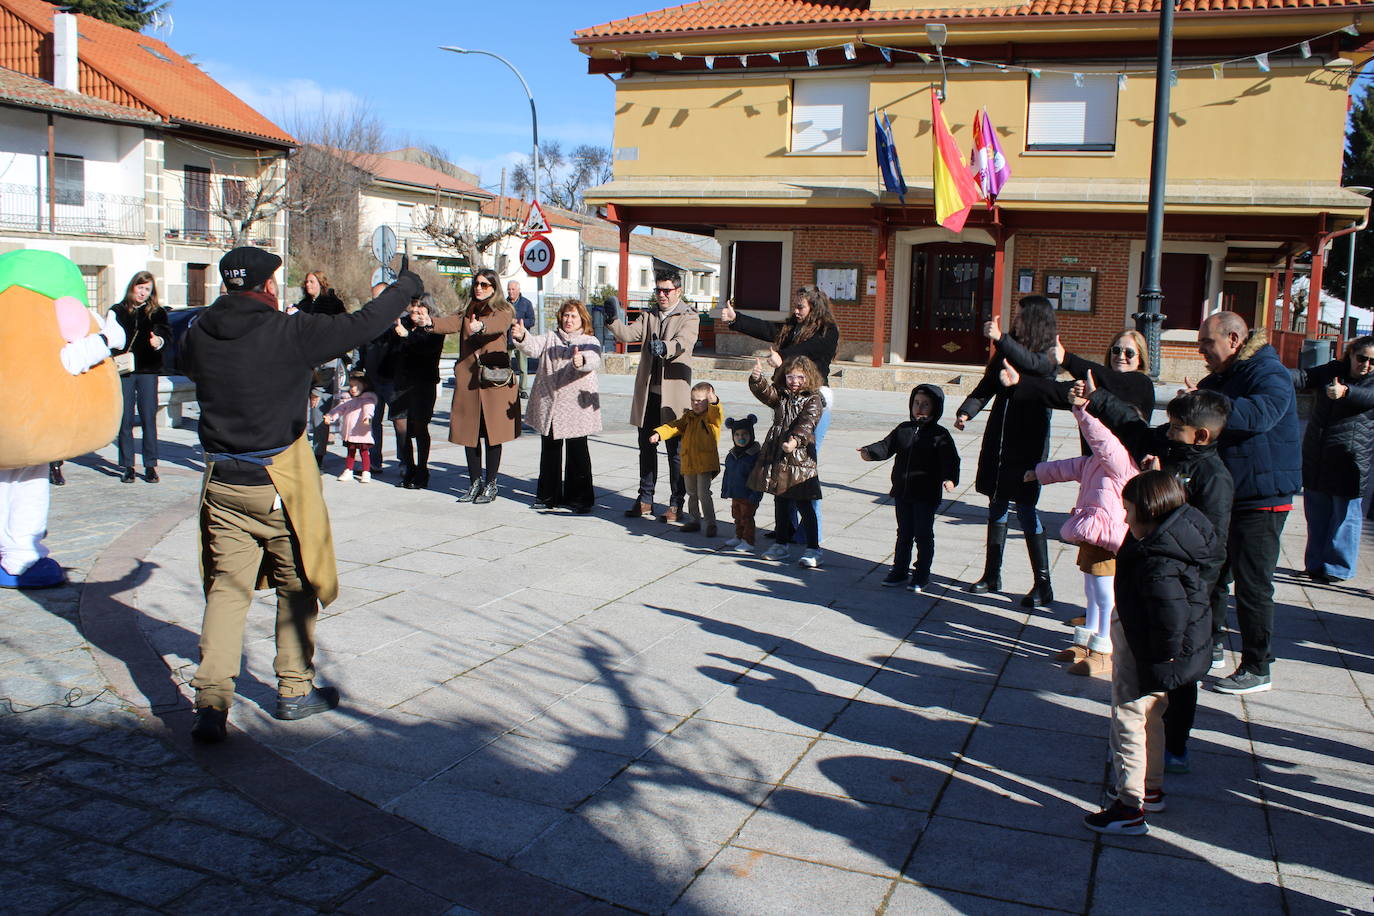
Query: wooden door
(951, 297)
(1241, 297)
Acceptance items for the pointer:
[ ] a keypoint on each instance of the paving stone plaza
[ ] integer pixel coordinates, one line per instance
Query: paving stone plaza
(551, 713)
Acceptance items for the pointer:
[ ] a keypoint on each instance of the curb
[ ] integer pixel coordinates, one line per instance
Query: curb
(426, 873)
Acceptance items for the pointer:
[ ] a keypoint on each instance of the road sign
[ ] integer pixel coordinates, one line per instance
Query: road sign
(535, 223)
(383, 274)
(384, 244)
(536, 255)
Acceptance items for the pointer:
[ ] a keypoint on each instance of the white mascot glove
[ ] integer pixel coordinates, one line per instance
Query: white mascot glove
(79, 356)
(113, 331)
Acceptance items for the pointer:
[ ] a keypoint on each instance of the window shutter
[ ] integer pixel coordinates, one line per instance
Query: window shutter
(829, 116)
(1064, 115)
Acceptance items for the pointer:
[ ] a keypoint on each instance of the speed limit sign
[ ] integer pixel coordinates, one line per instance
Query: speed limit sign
(536, 255)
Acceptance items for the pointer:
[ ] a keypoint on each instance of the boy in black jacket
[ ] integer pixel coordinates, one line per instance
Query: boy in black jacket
(1186, 447)
(926, 460)
(1160, 638)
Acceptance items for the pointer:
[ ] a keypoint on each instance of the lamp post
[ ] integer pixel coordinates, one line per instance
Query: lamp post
(936, 34)
(1148, 319)
(534, 127)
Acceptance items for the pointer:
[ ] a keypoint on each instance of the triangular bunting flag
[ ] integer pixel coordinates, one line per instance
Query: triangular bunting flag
(1305, 49)
(1216, 71)
(812, 58)
(710, 62)
(1262, 60)
(677, 55)
(886, 53)
(744, 60)
(776, 56)
(849, 51)
(925, 58)
(1121, 82)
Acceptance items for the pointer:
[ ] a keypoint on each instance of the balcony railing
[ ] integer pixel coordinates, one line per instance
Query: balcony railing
(25, 207)
(204, 227)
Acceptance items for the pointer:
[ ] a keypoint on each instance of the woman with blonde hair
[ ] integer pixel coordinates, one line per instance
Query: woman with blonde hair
(486, 402)
(318, 297)
(565, 407)
(146, 332)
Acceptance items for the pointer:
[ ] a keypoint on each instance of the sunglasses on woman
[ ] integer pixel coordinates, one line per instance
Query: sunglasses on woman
(1123, 351)
(481, 284)
(1362, 359)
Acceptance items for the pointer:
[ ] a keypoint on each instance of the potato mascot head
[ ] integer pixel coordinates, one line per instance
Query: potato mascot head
(63, 400)
(58, 408)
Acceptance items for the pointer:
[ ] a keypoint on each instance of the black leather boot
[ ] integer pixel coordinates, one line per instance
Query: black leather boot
(1041, 593)
(992, 567)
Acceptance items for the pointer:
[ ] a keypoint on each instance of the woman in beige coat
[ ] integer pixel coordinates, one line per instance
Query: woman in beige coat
(481, 413)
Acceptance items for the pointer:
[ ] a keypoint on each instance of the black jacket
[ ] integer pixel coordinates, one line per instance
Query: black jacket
(1198, 467)
(925, 452)
(1163, 600)
(819, 348)
(1340, 434)
(326, 303)
(1017, 437)
(252, 366)
(138, 324)
(415, 357)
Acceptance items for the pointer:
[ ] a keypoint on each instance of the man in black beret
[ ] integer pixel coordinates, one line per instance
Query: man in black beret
(262, 518)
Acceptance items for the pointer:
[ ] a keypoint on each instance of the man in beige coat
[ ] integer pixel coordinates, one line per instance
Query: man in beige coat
(667, 331)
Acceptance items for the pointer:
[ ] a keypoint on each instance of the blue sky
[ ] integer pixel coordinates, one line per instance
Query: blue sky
(313, 53)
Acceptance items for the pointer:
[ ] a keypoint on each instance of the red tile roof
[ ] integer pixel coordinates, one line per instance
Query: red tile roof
(34, 93)
(129, 68)
(710, 15)
(420, 175)
(513, 208)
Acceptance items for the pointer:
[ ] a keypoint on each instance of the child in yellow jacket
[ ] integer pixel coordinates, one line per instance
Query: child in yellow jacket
(700, 432)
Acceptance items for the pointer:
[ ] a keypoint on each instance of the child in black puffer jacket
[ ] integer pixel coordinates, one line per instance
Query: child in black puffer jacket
(1161, 638)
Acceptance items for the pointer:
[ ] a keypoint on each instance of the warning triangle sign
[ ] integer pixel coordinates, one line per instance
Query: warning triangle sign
(535, 223)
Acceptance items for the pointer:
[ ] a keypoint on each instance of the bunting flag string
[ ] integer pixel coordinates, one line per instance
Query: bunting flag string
(850, 49)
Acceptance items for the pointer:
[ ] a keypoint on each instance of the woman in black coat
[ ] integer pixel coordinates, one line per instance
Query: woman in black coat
(810, 331)
(1017, 438)
(146, 332)
(317, 297)
(415, 353)
(1336, 458)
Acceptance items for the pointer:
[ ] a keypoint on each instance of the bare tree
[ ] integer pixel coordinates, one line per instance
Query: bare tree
(248, 196)
(563, 178)
(466, 232)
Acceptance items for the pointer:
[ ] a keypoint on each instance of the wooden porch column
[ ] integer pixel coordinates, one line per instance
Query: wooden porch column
(1314, 288)
(1287, 294)
(880, 302)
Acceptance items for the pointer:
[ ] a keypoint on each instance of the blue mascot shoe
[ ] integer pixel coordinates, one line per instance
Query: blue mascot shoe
(43, 574)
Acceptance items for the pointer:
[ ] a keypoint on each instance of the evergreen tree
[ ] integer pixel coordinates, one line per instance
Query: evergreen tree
(128, 14)
(1358, 170)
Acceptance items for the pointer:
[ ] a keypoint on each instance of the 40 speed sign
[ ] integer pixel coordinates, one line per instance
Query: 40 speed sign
(536, 255)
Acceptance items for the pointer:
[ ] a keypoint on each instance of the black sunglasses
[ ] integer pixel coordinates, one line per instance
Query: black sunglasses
(483, 283)
(1123, 351)
(1362, 360)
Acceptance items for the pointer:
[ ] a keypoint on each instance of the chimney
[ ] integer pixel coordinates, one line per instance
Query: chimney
(64, 69)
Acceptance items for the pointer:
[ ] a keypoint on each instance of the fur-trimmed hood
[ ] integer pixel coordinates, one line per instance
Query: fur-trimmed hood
(1257, 340)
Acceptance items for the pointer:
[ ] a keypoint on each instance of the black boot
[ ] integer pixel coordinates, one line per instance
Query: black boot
(1041, 593)
(992, 568)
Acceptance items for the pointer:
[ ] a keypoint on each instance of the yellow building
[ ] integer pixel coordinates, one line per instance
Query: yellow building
(752, 120)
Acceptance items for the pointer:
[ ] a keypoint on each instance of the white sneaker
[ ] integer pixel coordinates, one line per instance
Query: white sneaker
(346, 475)
(810, 559)
(732, 544)
(364, 477)
(778, 552)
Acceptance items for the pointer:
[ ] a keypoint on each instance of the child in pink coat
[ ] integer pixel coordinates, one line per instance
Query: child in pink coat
(354, 415)
(1098, 526)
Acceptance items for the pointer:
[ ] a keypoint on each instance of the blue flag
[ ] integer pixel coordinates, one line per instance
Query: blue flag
(888, 164)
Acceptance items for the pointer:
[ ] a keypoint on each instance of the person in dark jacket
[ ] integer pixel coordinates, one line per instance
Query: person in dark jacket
(146, 334)
(319, 298)
(1262, 451)
(1161, 638)
(926, 468)
(524, 314)
(262, 505)
(810, 331)
(415, 360)
(734, 482)
(1335, 460)
(1017, 438)
(1185, 447)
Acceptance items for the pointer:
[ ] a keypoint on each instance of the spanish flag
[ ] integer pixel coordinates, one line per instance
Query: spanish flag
(955, 191)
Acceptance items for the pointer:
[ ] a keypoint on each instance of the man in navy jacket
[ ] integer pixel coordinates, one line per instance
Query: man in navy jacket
(1263, 452)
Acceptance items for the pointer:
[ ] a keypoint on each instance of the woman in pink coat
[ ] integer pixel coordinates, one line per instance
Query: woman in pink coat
(1098, 526)
(564, 406)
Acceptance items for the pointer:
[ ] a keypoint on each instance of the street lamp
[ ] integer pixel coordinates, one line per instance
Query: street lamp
(534, 126)
(936, 34)
(1149, 318)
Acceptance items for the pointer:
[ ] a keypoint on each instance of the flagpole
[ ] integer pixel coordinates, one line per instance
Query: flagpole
(1149, 319)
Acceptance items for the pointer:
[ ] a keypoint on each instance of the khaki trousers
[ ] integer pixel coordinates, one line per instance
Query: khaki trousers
(699, 503)
(1137, 736)
(243, 525)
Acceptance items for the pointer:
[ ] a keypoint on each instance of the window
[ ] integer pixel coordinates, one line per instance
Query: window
(96, 292)
(232, 192)
(69, 180)
(706, 284)
(563, 269)
(601, 275)
(829, 116)
(755, 269)
(196, 206)
(643, 277)
(1064, 115)
(195, 283)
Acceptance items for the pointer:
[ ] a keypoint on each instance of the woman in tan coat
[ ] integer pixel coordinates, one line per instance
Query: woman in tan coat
(490, 412)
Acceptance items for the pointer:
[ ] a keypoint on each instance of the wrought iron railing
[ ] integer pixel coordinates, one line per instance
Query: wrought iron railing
(194, 225)
(25, 207)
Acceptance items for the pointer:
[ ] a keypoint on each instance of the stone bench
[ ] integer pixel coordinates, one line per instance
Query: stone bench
(174, 392)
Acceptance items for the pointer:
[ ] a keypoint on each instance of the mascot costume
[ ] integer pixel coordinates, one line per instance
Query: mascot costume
(63, 397)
